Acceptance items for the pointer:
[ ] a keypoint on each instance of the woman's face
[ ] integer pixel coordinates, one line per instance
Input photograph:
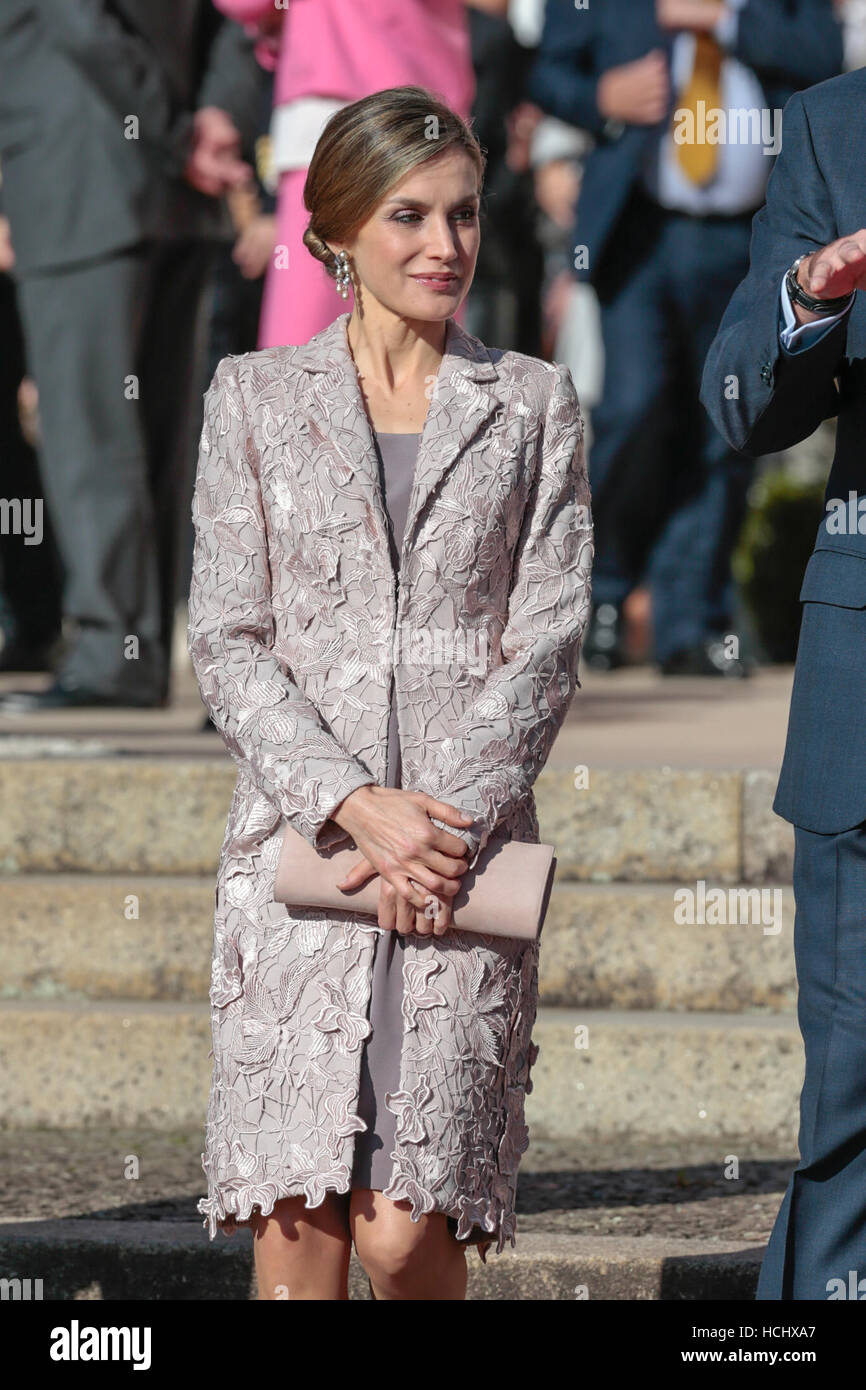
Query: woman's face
(416, 255)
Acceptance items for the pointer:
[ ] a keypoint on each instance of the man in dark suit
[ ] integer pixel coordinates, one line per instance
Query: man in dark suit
(119, 130)
(681, 97)
(791, 352)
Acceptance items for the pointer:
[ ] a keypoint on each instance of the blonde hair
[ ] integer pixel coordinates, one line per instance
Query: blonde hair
(365, 149)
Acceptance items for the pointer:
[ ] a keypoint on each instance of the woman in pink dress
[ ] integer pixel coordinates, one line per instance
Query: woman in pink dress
(329, 53)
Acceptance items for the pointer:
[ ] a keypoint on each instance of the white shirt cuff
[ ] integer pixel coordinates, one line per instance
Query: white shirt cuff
(794, 337)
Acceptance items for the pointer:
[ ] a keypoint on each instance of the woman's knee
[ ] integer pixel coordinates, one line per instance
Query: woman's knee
(393, 1247)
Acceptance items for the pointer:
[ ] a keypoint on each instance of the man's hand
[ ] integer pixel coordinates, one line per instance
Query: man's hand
(420, 864)
(701, 15)
(214, 164)
(7, 252)
(557, 184)
(521, 124)
(835, 270)
(636, 93)
(252, 250)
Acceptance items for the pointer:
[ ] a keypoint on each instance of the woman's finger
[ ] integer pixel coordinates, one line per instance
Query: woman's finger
(438, 915)
(443, 918)
(448, 866)
(357, 875)
(428, 882)
(405, 923)
(406, 890)
(442, 811)
(387, 915)
(449, 844)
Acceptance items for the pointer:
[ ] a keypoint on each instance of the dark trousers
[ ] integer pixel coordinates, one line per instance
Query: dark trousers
(820, 1231)
(30, 575)
(114, 346)
(669, 494)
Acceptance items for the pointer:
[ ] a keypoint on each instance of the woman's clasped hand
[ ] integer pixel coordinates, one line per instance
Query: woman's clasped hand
(420, 865)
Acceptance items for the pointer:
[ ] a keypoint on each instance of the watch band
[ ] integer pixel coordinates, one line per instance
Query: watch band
(809, 301)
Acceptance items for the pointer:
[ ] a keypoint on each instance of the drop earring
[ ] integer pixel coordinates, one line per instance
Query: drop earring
(344, 278)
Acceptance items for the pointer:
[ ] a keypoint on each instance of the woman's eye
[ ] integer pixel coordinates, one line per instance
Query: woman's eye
(407, 218)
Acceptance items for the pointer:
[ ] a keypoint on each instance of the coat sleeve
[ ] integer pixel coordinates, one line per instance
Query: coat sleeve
(801, 43)
(761, 397)
(501, 742)
(564, 75)
(232, 80)
(264, 718)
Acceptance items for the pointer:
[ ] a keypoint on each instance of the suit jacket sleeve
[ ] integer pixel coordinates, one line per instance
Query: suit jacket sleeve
(760, 396)
(263, 716)
(125, 70)
(502, 741)
(798, 42)
(232, 79)
(563, 78)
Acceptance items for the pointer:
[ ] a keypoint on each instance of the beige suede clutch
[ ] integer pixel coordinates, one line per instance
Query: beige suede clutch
(505, 894)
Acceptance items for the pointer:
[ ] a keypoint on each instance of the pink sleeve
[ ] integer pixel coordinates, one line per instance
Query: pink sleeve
(245, 11)
(249, 13)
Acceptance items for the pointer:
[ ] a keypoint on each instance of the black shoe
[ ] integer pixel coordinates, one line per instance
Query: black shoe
(707, 658)
(62, 696)
(15, 656)
(603, 648)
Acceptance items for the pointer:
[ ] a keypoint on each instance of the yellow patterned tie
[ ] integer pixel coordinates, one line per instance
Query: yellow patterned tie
(698, 158)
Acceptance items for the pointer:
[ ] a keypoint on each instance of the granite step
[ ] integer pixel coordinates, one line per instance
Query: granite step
(604, 946)
(599, 1074)
(122, 1260)
(166, 815)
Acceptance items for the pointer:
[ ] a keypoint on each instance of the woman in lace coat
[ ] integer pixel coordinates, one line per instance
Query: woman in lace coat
(325, 627)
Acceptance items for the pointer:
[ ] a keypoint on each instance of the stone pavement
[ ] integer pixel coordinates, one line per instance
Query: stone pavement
(629, 718)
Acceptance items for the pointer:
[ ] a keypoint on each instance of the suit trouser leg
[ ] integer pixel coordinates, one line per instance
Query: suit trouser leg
(690, 568)
(171, 364)
(633, 422)
(820, 1231)
(82, 329)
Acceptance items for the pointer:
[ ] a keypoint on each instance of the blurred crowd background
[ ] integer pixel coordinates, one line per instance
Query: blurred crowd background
(152, 158)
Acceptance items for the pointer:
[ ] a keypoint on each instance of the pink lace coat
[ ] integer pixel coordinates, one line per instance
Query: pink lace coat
(294, 611)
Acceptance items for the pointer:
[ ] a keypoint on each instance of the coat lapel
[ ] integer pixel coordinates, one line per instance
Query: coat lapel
(333, 413)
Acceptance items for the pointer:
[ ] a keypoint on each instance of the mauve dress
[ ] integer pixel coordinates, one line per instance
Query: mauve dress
(380, 1059)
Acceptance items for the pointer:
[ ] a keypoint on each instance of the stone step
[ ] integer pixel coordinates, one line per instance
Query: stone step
(148, 937)
(122, 1260)
(620, 946)
(599, 1073)
(146, 815)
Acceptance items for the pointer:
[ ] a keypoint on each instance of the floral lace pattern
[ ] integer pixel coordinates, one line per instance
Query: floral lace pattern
(292, 621)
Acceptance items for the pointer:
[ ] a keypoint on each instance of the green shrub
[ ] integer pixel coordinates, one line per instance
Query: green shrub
(771, 555)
